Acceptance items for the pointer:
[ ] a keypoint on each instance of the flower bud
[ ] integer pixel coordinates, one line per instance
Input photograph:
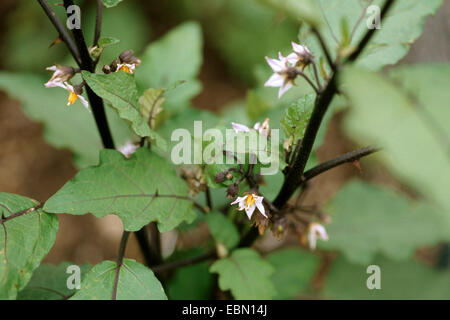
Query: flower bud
(220, 177)
(114, 65)
(124, 56)
(78, 89)
(106, 69)
(232, 191)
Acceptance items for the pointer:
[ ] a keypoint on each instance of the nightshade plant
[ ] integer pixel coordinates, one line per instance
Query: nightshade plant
(138, 101)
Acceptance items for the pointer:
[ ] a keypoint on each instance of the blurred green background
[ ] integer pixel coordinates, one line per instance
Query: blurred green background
(237, 35)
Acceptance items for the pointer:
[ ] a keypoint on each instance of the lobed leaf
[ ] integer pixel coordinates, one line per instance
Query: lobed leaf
(246, 274)
(49, 282)
(138, 190)
(222, 229)
(176, 56)
(136, 282)
(25, 240)
(119, 89)
(294, 271)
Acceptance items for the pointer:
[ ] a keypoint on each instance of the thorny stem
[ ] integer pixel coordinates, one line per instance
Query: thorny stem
(123, 245)
(347, 157)
(63, 33)
(18, 214)
(295, 173)
(81, 55)
(85, 62)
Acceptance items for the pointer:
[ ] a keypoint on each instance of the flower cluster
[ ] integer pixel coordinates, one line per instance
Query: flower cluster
(126, 62)
(286, 69)
(60, 78)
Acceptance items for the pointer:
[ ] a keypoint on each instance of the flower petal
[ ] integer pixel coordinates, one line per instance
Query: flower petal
(321, 232)
(298, 48)
(52, 84)
(284, 88)
(84, 102)
(275, 64)
(250, 211)
(239, 199)
(292, 59)
(260, 206)
(276, 80)
(239, 127)
(312, 239)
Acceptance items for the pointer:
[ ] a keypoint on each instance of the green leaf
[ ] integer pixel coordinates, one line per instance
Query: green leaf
(399, 29)
(136, 282)
(119, 89)
(150, 104)
(49, 282)
(303, 10)
(107, 41)
(139, 190)
(406, 116)
(193, 282)
(24, 241)
(64, 127)
(222, 229)
(405, 280)
(246, 274)
(176, 56)
(296, 117)
(111, 3)
(368, 220)
(294, 270)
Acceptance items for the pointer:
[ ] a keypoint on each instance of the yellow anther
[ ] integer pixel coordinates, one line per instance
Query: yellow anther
(72, 98)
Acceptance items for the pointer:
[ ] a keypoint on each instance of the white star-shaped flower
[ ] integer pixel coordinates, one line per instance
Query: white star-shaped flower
(126, 67)
(284, 74)
(73, 96)
(316, 230)
(128, 148)
(249, 203)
